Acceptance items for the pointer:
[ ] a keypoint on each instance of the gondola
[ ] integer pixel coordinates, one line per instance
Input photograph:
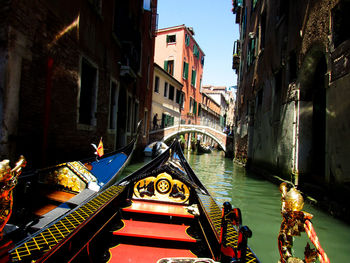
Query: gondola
(154, 149)
(42, 196)
(201, 148)
(159, 213)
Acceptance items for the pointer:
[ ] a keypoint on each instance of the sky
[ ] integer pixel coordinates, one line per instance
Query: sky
(215, 32)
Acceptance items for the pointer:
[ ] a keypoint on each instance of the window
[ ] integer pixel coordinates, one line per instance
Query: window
(169, 66)
(253, 4)
(156, 84)
(113, 106)
(88, 93)
(178, 96)
(251, 52)
(191, 104)
(194, 107)
(202, 60)
(166, 89)
(167, 120)
(182, 100)
(171, 39)
(185, 71)
(187, 40)
(171, 92)
(195, 51)
(193, 78)
(341, 23)
(147, 5)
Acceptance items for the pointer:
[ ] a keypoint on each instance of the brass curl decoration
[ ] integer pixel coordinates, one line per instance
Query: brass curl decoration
(8, 180)
(293, 221)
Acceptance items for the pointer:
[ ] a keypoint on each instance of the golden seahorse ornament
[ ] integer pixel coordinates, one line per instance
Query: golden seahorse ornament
(8, 180)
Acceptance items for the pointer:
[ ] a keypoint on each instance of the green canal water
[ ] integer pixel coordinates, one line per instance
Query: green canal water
(260, 201)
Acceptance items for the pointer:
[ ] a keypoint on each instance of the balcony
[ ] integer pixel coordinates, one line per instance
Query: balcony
(236, 55)
(235, 62)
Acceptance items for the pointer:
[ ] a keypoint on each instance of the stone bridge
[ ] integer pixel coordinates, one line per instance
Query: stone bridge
(166, 134)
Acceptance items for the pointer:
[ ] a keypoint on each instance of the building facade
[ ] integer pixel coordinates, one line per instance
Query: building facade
(182, 58)
(293, 80)
(166, 99)
(71, 73)
(209, 112)
(221, 97)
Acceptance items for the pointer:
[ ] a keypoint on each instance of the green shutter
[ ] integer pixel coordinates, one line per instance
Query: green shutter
(185, 73)
(166, 65)
(193, 80)
(195, 107)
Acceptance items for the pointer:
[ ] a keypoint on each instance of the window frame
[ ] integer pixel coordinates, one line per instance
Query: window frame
(193, 77)
(94, 94)
(171, 92)
(111, 117)
(156, 84)
(171, 39)
(166, 85)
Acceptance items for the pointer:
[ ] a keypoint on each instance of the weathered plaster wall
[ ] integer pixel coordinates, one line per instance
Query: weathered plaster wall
(338, 130)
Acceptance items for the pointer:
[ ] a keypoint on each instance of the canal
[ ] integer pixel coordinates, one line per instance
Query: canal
(260, 202)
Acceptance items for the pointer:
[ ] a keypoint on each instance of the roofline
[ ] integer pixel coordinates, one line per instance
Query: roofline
(206, 95)
(183, 26)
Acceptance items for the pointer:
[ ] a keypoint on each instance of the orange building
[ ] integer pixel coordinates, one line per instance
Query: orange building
(179, 53)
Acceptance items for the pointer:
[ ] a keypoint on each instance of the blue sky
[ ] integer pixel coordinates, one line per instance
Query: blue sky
(215, 32)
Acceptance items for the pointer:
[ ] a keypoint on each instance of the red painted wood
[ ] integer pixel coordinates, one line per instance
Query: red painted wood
(154, 230)
(144, 254)
(155, 208)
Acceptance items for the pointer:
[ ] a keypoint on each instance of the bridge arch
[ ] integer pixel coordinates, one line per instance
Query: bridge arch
(183, 129)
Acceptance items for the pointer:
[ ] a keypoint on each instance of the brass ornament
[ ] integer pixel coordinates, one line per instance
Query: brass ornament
(8, 181)
(162, 188)
(293, 221)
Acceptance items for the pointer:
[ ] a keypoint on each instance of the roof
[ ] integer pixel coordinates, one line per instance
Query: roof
(181, 27)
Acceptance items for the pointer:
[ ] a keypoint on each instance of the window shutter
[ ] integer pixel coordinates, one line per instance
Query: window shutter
(193, 80)
(186, 70)
(165, 65)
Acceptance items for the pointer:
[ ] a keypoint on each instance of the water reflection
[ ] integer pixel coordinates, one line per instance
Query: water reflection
(259, 201)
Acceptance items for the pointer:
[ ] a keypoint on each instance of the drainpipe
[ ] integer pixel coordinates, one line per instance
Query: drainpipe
(296, 138)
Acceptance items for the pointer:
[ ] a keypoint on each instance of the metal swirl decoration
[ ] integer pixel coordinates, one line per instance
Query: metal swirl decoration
(8, 181)
(294, 222)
